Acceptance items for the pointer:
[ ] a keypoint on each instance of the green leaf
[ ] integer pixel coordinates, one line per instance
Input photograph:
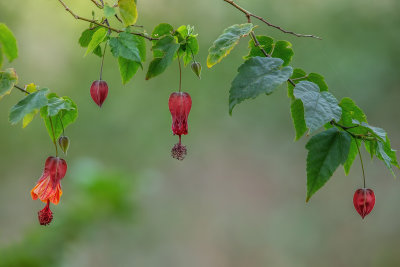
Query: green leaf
(319, 107)
(162, 29)
(226, 42)
(351, 111)
(97, 38)
(326, 151)
(388, 155)
(1, 57)
(109, 11)
(128, 11)
(28, 104)
(300, 75)
(192, 46)
(8, 79)
(280, 49)
(353, 152)
(29, 117)
(56, 104)
(371, 147)
(297, 112)
(8, 42)
(256, 76)
(127, 69)
(375, 131)
(66, 116)
(166, 48)
(129, 46)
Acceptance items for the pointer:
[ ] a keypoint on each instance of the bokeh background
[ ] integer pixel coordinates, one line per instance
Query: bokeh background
(238, 199)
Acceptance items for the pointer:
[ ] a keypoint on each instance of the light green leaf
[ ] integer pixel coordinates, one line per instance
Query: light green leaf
(256, 76)
(8, 79)
(1, 57)
(166, 47)
(127, 69)
(57, 104)
(28, 104)
(371, 147)
(319, 107)
(109, 11)
(162, 29)
(8, 42)
(300, 75)
(29, 117)
(326, 151)
(129, 46)
(66, 116)
(388, 155)
(376, 131)
(280, 49)
(266, 43)
(128, 11)
(297, 112)
(226, 42)
(97, 38)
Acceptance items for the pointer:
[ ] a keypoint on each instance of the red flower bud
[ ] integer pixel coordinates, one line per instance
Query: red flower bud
(99, 92)
(45, 215)
(180, 104)
(364, 201)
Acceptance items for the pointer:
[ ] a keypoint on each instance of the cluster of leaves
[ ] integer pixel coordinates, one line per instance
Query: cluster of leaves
(57, 112)
(313, 107)
(128, 44)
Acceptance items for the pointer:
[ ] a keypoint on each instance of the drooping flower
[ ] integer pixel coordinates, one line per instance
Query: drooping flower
(179, 104)
(99, 92)
(364, 201)
(48, 187)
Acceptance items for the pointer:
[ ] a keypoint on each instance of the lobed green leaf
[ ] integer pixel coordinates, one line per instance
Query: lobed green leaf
(28, 104)
(255, 76)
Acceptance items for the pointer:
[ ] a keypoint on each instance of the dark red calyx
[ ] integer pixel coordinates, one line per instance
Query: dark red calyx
(180, 104)
(45, 215)
(178, 151)
(55, 167)
(364, 201)
(99, 92)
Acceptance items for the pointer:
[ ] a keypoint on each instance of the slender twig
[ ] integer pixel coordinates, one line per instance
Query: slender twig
(102, 25)
(249, 14)
(97, 4)
(361, 160)
(180, 73)
(21, 89)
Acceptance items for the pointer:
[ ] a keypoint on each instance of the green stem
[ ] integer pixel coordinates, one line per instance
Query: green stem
(54, 136)
(102, 61)
(180, 73)
(361, 160)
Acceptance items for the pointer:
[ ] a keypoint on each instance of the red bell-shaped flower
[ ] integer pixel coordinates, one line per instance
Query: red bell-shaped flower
(364, 201)
(99, 92)
(180, 104)
(48, 187)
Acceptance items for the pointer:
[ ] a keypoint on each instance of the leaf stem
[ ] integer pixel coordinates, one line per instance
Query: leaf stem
(54, 136)
(361, 160)
(180, 72)
(21, 89)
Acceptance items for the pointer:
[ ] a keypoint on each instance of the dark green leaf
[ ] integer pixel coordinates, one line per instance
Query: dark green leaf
(226, 42)
(57, 104)
(297, 112)
(256, 76)
(127, 69)
(28, 104)
(319, 107)
(162, 29)
(8, 79)
(300, 75)
(129, 46)
(326, 151)
(166, 47)
(8, 42)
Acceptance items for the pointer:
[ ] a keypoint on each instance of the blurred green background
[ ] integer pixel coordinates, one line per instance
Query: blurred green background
(238, 199)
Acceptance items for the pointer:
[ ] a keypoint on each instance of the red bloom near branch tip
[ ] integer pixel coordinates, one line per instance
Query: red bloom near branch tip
(48, 187)
(179, 104)
(364, 201)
